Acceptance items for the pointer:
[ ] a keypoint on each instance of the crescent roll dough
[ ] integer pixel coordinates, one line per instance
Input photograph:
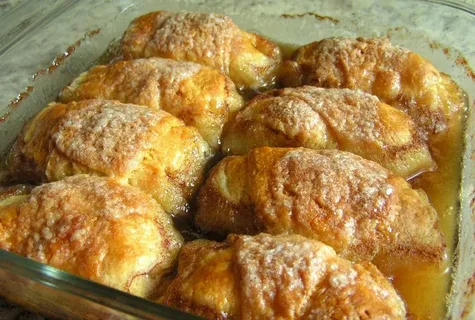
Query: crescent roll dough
(213, 40)
(330, 118)
(354, 205)
(149, 149)
(93, 227)
(202, 97)
(397, 76)
(278, 277)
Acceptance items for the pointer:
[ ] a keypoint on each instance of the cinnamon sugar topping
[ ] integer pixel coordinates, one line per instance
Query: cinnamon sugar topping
(107, 135)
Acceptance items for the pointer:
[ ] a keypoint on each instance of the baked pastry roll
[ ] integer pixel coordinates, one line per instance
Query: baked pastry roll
(93, 227)
(213, 40)
(327, 119)
(149, 149)
(354, 205)
(202, 97)
(278, 277)
(397, 76)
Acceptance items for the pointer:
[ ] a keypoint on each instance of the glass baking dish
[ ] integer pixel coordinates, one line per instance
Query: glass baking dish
(44, 46)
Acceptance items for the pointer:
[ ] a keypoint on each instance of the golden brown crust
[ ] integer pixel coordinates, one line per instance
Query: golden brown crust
(399, 77)
(330, 118)
(202, 97)
(28, 156)
(150, 149)
(354, 205)
(278, 277)
(213, 40)
(206, 283)
(96, 228)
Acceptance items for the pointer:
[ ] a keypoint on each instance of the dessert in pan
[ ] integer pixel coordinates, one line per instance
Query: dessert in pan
(148, 149)
(202, 97)
(278, 277)
(213, 40)
(313, 210)
(311, 117)
(354, 205)
(397, 76)
(94, 227)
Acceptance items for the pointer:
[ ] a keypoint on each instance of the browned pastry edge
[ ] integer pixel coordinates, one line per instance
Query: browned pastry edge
(283, 277)
(93, 227)
(248, 194)
(390, 72)
(309, 117)
(250, 60)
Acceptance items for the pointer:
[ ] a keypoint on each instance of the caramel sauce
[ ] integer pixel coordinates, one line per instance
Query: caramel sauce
(425, 290)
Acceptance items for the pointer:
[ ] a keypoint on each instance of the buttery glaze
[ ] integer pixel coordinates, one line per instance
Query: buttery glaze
(443, 189)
